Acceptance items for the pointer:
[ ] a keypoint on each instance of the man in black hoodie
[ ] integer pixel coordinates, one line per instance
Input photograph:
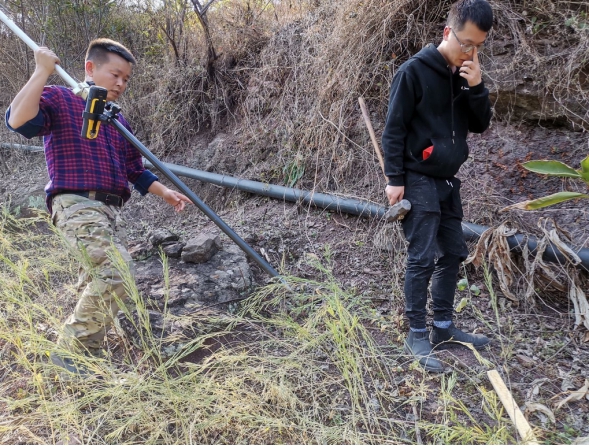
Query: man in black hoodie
(437, 97)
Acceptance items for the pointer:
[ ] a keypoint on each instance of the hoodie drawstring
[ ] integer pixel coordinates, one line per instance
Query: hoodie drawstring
(452, 104)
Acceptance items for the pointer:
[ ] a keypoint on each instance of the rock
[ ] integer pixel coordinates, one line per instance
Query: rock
(28, 201)
(523, 96)
(526, 361)
(251, 238)
(173, 250)
(139, 251)
(194, 292)
(201, 248)
(161, 236)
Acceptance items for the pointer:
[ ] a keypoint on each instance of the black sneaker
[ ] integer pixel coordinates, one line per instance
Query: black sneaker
(453, 335)
(69, 364)
(418, 345)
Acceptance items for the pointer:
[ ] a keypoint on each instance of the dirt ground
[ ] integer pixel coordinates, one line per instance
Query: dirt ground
(537, 349)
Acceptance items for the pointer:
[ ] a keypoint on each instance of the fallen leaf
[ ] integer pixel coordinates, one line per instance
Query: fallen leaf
(463, 302)
(535, 388)
(576, 395)
(462, 284)
(537, 407)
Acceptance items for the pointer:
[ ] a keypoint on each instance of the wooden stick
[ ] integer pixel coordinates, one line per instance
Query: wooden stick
(517, 417)
(417, 430)
(372, 135)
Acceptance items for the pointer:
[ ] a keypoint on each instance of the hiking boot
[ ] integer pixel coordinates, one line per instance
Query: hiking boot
(418, 345)
(453, 335)
(68, 364)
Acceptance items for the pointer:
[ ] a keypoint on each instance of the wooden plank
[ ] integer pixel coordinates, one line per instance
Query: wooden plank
(517, 417)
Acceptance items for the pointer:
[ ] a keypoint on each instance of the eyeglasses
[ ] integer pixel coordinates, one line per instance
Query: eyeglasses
(467, 47)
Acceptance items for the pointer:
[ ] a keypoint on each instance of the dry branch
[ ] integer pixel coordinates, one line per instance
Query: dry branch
(366, 116)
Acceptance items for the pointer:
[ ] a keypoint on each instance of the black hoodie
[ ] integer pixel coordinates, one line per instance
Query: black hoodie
(431, 106)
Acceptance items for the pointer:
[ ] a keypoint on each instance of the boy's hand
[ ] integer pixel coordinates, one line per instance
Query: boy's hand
(45, 60)
(395, 194)
(471, 70)
(176, 199)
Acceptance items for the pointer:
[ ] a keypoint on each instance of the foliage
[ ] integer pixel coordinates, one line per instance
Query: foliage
(558, 169)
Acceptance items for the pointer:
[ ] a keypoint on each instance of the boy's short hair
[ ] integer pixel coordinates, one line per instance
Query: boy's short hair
(478, 12)
(99, 49)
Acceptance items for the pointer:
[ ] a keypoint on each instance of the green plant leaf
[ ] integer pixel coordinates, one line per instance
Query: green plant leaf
(462, 284)
(585, 170)
(463, 303)
(538, 203)
(475, 290)
(553, 168)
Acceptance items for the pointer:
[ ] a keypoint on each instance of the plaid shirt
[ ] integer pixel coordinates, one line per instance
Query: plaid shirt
(104, 164)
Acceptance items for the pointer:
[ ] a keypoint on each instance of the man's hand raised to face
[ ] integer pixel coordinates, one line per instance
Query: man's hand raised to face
(471, 70)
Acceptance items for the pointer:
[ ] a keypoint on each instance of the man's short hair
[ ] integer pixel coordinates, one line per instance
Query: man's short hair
(478, 12)
(99, 49)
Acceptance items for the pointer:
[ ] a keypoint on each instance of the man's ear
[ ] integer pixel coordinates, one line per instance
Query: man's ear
(89, 68)
(446, 32)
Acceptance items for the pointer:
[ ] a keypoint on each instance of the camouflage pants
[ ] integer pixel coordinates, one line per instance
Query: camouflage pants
(92, 230)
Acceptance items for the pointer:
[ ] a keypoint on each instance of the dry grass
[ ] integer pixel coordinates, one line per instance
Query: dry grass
(303, 97)
(290, 74)
(311, 372)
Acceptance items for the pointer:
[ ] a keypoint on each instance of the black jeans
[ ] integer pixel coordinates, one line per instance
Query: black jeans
(436, 246)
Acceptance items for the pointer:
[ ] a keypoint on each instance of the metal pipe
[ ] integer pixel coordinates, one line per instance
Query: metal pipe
(323, 201)
(79, 88)
(471, 231)
(5, 145)
(154, 161)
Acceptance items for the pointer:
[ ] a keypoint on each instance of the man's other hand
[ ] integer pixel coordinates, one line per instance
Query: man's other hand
(395, 194)
(176, 199)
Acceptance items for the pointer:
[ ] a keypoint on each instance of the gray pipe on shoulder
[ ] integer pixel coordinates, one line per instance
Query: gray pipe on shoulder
(471, 231)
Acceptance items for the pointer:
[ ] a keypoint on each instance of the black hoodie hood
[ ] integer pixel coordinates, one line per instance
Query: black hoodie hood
(431, 106)
(432, 57)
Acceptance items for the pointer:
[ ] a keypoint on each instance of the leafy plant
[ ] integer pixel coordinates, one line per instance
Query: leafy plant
(557, 169)
(578, 22)
(293, 171)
